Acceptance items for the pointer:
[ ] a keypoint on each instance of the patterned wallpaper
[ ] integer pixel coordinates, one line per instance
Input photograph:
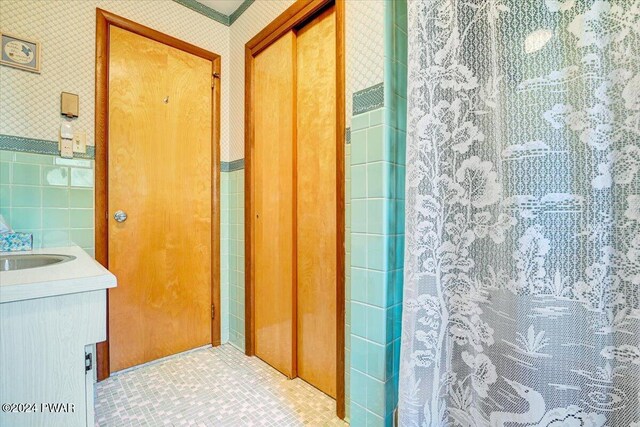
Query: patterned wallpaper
(364, 47)
(29, 104)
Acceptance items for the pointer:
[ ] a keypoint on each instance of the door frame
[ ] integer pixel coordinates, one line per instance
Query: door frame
(104, 20)
(294, 17)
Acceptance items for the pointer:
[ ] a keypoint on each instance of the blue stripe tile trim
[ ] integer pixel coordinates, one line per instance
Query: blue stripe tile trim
(368, 99)
(38, 146)
(214, 14)
(347, 134)
(232, 166)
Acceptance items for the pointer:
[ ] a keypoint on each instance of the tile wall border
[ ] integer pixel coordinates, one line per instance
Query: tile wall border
(368, 99)
(214, 14)
(38, 146)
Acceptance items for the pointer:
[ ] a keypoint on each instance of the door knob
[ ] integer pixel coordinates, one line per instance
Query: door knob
(120, 216)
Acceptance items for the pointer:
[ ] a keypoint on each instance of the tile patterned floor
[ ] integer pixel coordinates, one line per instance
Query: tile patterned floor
(210, 387)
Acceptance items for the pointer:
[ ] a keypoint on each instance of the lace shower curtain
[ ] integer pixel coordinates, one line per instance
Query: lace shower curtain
(522, 263)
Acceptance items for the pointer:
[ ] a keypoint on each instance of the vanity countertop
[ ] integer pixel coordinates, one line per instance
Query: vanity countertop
(79, 275)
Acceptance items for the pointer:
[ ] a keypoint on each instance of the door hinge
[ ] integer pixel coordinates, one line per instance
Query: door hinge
(88, 362)
(214, 76)
(213, 311)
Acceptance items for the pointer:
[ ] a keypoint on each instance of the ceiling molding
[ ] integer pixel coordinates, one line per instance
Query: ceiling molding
(214, 14)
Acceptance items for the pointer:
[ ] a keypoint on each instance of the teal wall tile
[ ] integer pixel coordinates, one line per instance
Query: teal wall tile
(358, 319)
(397, 321)
(55, 197)
(378, 180)
(81, 218)
(375, 397)
(397, 258)
(55, 175)
(359, 353)
(39, 159)
(359, 250)
(5, 195)
(377, 253)
(83, 237)
(397, 173)
(376, 288)
(5, 173)
(81, 177)
(359, 182)
(55, 218)
(359, 216)
(389, 356)
(376, 324)
(81, 198)
(376, 117)
(376, 360)
(5, 211)
(232, 232)
(26, 219)
(358, 415)
(374, 420)
(25, 174)
(26, 196)
(358, 147)
(359, 284)
(40, 200)
(377, 216)
(376, 148)
(401, 146)
(37, 238)
(360, 121)
(358, 388)
(51, 238)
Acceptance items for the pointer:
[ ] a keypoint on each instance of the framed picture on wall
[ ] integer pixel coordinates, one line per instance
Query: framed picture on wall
(20, 53)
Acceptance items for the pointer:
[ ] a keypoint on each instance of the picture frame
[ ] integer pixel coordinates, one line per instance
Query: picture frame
(19, 52)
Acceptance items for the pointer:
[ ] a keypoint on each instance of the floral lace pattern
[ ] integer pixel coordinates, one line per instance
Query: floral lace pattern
(522, 256)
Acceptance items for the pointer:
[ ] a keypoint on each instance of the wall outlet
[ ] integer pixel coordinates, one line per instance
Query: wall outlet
(79, 142)
(66, 148)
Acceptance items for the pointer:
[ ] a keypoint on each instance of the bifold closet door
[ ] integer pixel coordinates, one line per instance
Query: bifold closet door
(317, 202)
(273, 181)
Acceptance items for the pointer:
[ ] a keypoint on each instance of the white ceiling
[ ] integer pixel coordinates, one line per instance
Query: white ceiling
(226, 7)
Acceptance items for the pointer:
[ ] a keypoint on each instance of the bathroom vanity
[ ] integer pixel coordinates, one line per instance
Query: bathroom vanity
(53, 306)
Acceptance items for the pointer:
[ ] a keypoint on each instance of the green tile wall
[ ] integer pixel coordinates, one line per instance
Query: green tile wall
(347, 281)
(378, 141)
(377, 244)
(232, 257)
(50, 197)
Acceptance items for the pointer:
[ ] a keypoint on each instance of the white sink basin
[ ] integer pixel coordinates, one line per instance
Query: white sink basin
(21, 262)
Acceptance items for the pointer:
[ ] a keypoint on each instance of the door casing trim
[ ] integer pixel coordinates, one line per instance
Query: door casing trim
(104, 20)
(294, 17)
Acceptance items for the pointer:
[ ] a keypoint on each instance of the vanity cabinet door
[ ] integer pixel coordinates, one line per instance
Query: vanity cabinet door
(90, 380)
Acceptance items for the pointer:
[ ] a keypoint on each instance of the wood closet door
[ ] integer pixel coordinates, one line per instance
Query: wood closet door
(317, 203)
(160, 174)
(273, 221)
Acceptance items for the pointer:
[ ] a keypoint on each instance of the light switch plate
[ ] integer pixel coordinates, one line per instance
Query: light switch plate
(80, 141)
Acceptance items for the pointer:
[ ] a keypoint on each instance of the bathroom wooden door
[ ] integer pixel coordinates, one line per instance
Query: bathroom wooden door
(295, 213)
(274, 256)
(316, 202)
(160, 175)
